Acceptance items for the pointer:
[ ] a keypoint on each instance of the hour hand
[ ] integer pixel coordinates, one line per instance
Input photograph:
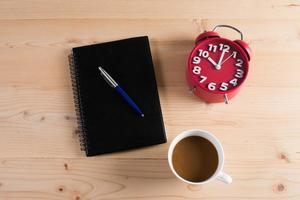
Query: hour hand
(213, 63)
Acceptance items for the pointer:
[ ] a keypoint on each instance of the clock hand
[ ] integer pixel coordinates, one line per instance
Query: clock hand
(221, 58)
(213, 62)
(226, 59)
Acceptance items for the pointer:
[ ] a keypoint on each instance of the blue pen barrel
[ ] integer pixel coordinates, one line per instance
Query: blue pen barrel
(129, 100)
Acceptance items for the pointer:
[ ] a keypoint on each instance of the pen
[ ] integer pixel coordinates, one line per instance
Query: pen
(116, 86)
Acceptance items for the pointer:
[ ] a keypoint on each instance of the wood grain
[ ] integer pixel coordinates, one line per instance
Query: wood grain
(145, 9)
(107, 178)
(259, 129)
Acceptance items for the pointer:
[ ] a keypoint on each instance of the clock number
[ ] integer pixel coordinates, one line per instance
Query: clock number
(233, 82)
(224, 47)
(221, 46)
(202, 53)
(212, 47)
(224, 86)
(239, 63)
(196, 60)
(196, 70)
(202, 79)
(239, 73)
(211, 86)
(234, 54)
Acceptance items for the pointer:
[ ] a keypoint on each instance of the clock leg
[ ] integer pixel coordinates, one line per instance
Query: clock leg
(192, 90)
(225, 99)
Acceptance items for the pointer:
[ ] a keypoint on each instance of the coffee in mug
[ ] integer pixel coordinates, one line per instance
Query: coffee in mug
(196, 157)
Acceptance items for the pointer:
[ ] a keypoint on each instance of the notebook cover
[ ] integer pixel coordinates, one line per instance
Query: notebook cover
(106, 122)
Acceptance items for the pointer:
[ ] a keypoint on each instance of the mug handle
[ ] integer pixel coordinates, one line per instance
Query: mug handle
(224, 177)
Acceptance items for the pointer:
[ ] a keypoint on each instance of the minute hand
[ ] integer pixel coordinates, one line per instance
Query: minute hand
(221, 58)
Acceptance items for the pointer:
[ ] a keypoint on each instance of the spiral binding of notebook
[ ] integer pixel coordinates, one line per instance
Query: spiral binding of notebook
(78, 104)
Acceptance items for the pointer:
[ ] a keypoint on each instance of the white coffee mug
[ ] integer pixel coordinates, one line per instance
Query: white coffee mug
(218, 174)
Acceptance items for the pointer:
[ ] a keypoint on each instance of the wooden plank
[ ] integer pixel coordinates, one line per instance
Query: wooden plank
(145, 9)
(264, 36)
(41, 122)
(103, 178)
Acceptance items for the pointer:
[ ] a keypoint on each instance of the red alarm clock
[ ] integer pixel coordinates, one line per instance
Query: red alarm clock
(217, 67)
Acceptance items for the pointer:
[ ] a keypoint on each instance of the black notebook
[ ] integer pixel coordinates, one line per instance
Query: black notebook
(106, 122)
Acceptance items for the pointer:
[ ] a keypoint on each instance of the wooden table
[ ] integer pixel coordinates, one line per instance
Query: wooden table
(259, 129)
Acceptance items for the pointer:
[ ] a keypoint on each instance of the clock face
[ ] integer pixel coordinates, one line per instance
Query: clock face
(218, 65)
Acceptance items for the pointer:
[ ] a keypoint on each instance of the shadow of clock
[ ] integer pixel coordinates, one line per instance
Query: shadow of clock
(170, 63)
